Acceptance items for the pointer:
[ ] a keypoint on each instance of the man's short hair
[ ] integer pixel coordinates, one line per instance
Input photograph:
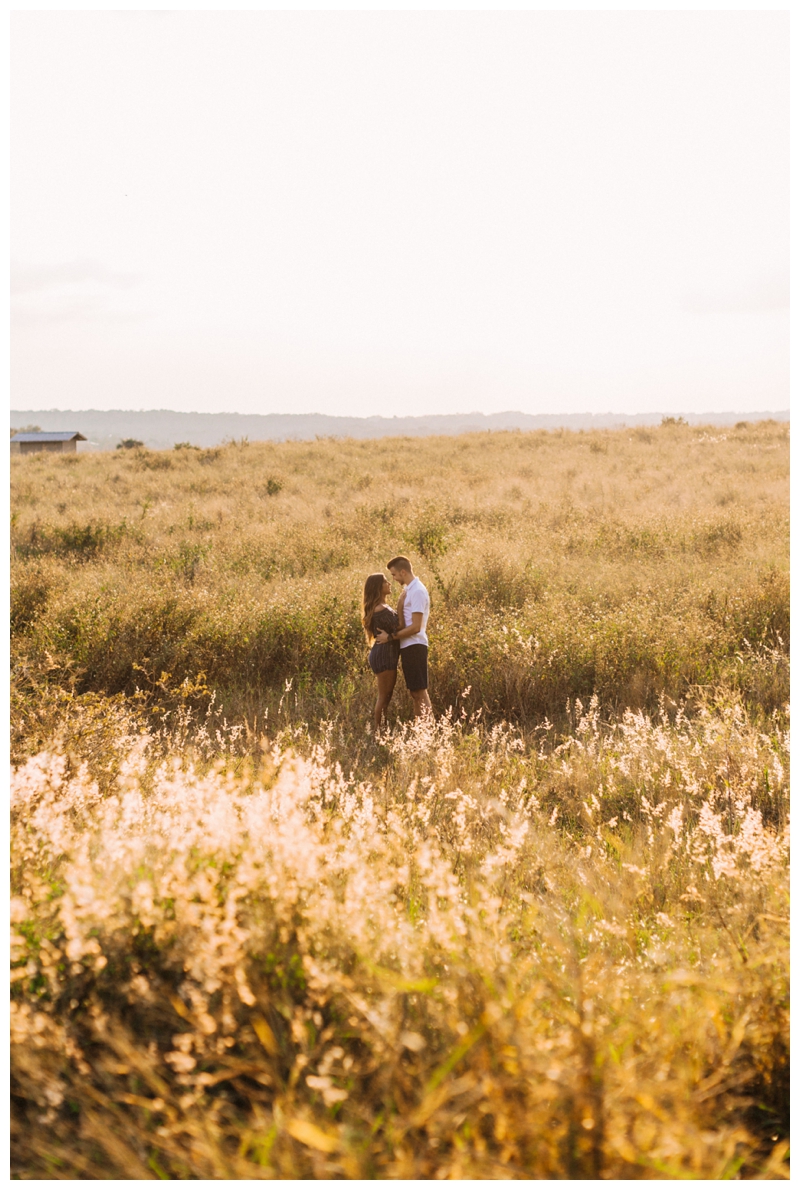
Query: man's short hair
(399, 563)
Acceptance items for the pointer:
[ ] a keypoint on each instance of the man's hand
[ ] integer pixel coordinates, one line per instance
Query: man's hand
(383, 637)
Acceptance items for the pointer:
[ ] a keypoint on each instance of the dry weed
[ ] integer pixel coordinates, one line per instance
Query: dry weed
(494, 961)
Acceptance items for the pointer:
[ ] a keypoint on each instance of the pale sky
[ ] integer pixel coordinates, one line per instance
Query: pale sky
(400, 212)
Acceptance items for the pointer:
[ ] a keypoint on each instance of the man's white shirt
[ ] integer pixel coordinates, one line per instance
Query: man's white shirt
(417, 600)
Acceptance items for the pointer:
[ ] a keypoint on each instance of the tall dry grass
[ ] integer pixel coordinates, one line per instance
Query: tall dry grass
(545, 935)
(633, 565)
(490, 961)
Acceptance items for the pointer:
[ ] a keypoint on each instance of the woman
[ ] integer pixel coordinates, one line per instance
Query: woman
(378, 617)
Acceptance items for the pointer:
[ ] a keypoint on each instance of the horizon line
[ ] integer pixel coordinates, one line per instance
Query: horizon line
(421, 416)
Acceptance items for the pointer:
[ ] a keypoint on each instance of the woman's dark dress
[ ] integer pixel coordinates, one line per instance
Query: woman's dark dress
(383, 657)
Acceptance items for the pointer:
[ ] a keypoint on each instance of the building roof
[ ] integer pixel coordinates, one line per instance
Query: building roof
(50, 436)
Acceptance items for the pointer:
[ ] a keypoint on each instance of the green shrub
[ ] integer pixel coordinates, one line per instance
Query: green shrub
(30, 589)
(82, 542)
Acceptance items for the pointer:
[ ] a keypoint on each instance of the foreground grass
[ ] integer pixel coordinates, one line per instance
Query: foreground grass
(543, 936)
(491, 959)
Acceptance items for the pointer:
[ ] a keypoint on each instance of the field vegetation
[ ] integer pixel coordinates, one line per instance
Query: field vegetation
(544, 935)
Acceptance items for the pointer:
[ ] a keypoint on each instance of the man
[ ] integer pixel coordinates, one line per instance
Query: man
(413, 611)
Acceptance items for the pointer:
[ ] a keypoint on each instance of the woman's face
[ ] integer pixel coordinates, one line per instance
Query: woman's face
(386, 588)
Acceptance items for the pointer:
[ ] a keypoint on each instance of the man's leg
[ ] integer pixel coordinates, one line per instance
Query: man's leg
(414, 659)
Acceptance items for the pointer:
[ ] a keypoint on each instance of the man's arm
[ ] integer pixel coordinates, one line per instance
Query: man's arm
(383, 637)
(414, 627)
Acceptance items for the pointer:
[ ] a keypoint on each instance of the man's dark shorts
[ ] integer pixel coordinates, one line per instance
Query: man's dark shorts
(414, 659)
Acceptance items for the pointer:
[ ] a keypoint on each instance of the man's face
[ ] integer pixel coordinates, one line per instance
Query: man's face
(399, 576)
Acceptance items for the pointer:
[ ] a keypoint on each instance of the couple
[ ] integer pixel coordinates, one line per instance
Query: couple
(396, 635)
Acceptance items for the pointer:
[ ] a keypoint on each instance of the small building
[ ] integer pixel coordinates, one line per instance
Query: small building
(61, 441)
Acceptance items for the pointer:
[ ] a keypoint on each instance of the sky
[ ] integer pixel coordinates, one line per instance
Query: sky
(400, 212)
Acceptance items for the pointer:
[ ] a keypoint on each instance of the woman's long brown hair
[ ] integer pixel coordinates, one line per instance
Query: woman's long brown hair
(373, 589)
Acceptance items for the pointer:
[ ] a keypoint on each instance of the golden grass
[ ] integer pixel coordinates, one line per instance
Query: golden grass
(251, 942)
(630, 566)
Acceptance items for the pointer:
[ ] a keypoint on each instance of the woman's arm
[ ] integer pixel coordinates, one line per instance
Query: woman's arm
(413, 628)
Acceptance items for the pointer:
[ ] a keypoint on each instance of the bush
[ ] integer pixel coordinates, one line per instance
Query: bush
(152, 460)
(30, 590)
(271, 487)
(82, 541)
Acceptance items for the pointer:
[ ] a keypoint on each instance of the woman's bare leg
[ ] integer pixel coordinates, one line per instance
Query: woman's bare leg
(386, 682)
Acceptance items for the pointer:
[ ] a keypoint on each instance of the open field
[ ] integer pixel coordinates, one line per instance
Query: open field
(546, 936)
(629, 565)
